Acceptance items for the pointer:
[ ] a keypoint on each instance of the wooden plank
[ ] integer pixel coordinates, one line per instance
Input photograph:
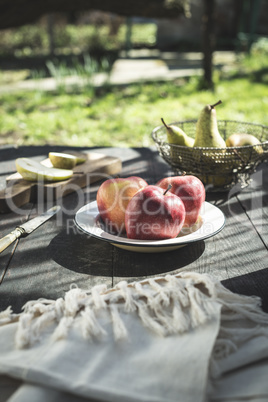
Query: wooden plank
(251, 284)
(51, 259)
(237, 250)
(254, 200)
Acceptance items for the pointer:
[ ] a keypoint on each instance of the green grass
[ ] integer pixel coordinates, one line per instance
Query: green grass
(125, 116)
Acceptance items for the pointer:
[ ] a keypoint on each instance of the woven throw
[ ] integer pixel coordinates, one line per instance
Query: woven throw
(173, 338)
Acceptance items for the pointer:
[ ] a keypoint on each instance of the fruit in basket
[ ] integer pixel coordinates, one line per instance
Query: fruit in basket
(34, 171)
(177, 136)
(113, 197)
(154, 214)
(62, 160)
(190, 190)
(207, 133)
(243, 139)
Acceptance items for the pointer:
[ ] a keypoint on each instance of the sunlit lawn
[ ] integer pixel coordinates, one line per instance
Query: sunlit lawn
(124, 116)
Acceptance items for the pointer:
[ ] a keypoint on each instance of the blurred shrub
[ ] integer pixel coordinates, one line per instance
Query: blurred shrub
(19, 40)
(33, 39)
(141, 34)
(260, 46)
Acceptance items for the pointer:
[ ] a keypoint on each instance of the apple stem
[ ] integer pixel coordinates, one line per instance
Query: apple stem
(164, 122)
(216, 104)
(168, 188)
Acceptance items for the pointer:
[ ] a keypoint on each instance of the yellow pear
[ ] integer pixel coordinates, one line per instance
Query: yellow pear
(177, 136)
(207, 133)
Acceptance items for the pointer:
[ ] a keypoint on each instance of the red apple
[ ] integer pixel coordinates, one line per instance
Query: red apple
(113, 197)
(191, 191)
(154, 214)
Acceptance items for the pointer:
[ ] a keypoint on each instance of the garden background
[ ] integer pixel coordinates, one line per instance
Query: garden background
(93, 78)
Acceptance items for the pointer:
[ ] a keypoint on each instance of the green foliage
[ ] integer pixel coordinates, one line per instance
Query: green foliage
(33, 40)
(122, 116)
(144, 34)
(25, 40)
(125, 116)
(253, 66)
(260, 46)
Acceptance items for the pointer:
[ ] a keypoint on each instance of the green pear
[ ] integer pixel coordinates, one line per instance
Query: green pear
(177, 136)
(34, 171)
(207, 133)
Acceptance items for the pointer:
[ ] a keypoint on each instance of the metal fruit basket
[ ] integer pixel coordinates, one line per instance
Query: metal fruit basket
(218, 168)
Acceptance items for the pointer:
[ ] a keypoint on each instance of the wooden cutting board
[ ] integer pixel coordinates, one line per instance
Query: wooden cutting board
(19, 192)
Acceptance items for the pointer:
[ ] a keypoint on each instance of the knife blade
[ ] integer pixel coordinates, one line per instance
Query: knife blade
(27, 227)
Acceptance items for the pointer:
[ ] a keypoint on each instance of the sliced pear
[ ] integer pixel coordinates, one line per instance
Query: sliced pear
(80, 159)
(62, 161)
(34, 171)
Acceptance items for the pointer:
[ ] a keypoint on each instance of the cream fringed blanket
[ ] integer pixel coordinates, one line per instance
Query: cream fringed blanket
(174, 338)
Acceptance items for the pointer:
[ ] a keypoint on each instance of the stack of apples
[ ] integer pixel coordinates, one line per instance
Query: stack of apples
(150, 212)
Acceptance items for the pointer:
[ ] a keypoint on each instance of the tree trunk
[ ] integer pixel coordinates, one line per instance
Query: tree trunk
(208, 41)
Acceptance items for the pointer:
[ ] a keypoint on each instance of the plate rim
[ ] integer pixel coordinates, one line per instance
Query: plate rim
(146, 243)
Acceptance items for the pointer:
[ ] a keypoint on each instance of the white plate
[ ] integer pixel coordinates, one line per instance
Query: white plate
(210, 223)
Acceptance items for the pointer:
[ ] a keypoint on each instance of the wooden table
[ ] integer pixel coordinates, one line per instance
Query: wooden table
(57, 255)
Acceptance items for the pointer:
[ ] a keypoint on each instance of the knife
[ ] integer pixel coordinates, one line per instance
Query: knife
(27, 228)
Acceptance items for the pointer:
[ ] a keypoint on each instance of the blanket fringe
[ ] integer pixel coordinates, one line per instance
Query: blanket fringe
(7, 316)
(166, 305)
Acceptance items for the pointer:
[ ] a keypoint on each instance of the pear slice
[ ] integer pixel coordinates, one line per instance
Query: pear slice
(80, 156)
(80, 159)
(34, 171)
(62, 161)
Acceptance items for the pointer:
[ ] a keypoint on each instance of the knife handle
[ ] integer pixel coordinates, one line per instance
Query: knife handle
(9, 239)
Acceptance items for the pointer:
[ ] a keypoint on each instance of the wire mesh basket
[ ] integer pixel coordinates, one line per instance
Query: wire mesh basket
(218, 168)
